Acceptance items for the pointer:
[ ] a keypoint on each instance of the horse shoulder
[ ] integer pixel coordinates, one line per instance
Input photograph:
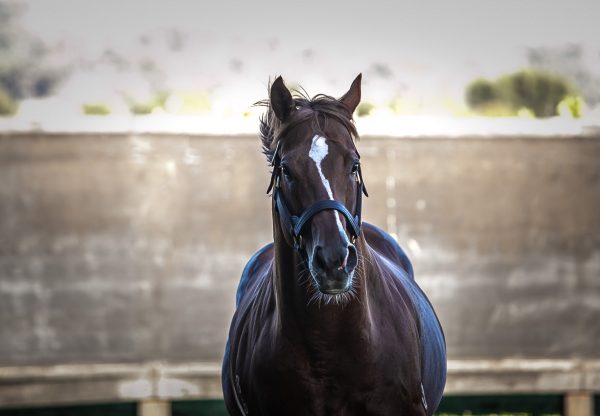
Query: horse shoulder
(387, 246)
(253, 270)
(254, 302)
(432, 336)
(252, 281)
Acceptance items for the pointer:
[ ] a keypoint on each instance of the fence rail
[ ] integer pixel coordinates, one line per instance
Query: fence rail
(163, 382)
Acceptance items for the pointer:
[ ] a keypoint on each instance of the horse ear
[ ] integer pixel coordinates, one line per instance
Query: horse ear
(352, 97)
(281, 99)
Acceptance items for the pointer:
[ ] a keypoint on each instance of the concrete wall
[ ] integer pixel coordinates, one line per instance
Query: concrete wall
(128, 248)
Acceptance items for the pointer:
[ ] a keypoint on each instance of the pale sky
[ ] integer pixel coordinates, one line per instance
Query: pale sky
(423, 48)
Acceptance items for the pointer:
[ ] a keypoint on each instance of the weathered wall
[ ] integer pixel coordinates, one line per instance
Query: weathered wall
(128, 248)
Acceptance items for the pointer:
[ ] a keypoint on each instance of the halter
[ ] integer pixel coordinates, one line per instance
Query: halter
(295, 224)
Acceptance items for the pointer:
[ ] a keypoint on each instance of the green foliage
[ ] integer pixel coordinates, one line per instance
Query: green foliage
(188, 103)
(8, 106)
(571, 105)
(537, 91)
(140, 109)
(497, 109)
(364, 109)
(481, 93)
(147, 107)
(95, 109)
(502, 405)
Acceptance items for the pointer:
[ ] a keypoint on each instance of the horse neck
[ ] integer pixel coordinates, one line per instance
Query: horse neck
(297, 309)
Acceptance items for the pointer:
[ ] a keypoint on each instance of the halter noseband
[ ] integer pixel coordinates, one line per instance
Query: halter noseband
(295, 224)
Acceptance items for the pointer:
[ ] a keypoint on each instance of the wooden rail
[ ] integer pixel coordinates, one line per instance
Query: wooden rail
(154, 384)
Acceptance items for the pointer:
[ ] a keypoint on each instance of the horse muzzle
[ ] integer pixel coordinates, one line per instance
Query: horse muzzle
(332, 268)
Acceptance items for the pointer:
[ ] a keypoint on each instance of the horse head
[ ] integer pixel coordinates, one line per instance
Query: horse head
(316, 180)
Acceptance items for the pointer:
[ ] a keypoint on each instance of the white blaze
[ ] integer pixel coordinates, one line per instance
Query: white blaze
(318, 151)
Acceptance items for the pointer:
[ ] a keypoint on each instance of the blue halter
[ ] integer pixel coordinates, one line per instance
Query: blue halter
(293, 224)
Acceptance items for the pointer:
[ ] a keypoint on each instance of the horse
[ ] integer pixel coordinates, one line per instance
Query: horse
(329, 319)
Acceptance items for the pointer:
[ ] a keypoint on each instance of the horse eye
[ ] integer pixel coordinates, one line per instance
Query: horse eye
(355, 168)
(286, 172)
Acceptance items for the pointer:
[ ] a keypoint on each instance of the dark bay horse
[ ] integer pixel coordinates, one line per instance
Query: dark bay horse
(329, 318)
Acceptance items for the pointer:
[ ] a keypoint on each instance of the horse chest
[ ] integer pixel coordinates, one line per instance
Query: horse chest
(296, 379)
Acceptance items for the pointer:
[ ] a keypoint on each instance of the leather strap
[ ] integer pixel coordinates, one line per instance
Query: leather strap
(294, 224)
(327, 204)
(287, 219)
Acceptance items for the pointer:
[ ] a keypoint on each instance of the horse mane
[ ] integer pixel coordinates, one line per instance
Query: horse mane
(318, 110)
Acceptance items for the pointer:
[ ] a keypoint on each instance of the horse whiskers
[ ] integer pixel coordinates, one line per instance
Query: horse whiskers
(341, 299)
(315, 298)
(304, 279)
(301, 264)
(362, 259)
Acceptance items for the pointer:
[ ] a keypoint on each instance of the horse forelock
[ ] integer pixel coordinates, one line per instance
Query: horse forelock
(317, 111)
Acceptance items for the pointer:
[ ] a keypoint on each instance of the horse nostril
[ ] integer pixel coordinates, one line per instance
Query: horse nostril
(351, 258)
(319, 260)
(339, 258)
(345, 261)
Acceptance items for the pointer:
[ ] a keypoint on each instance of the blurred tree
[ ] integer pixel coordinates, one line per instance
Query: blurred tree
(364, 109)
(157, 103)
(8, 106)
(96, 109)
(571, 105)
(534, 90)
(22, 70)
(570, 62)
(481, 92)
